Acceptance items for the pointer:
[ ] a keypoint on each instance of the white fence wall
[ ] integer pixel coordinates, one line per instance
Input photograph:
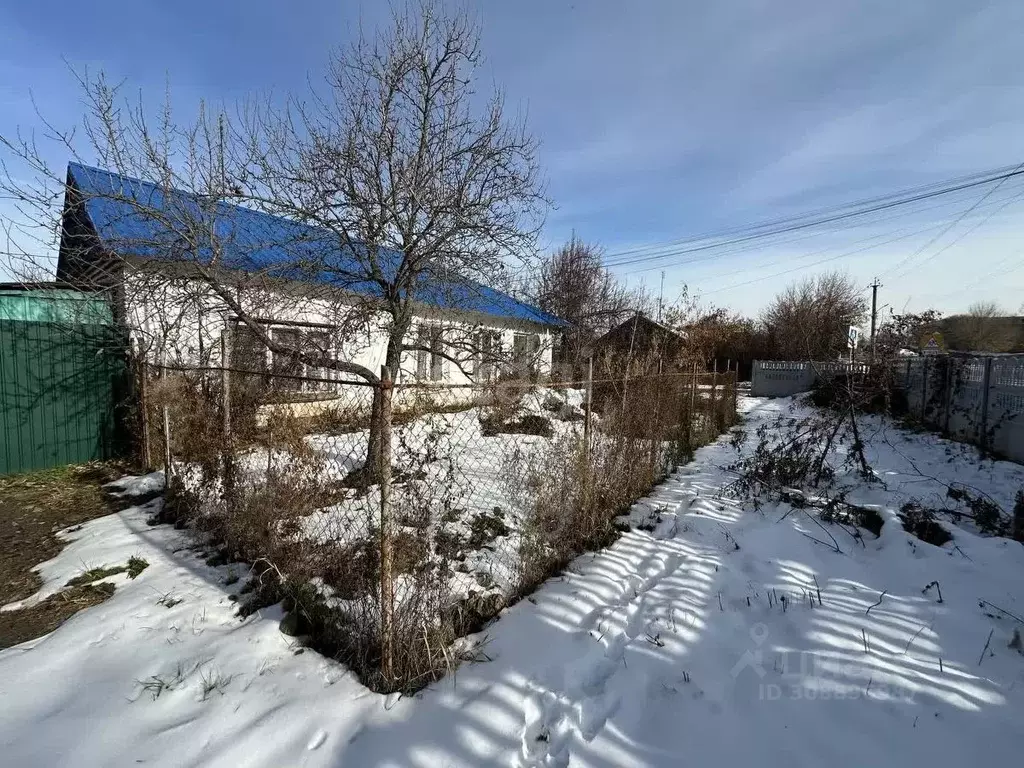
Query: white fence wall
(972, 398)
(975, 399)
(781, 378)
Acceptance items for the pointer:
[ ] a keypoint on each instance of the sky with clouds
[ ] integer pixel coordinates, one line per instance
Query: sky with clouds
(660, 120)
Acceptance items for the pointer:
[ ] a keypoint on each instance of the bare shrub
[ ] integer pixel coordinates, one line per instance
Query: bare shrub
(920, 521)
(524, 424)
(324, 561)
(572, 492)
(459, 553)
(573, 284)
(814, 450)
(985, 513)
(810, 318)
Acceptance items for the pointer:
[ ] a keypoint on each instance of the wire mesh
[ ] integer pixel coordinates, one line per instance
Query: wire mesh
(480, 493)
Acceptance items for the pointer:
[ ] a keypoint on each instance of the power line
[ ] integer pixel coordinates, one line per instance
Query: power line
(959, 218)
(774, 262)
(746, 249)
(820, 261)
(817, 212)
(961, 236)
(892, 236)
(998, 271)
(792, 224)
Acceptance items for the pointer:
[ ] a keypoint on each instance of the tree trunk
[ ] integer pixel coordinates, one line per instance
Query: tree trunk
(1018, 518)
(369, 473)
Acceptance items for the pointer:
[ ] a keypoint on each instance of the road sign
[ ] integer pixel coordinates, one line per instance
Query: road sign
(851, 337)
(932, 344)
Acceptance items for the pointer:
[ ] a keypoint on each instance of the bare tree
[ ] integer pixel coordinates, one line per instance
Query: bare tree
(905, 331)
(573, 284)
(414, 191)
(711, 333)
(984, 328)
(810, 319)
(985, 309)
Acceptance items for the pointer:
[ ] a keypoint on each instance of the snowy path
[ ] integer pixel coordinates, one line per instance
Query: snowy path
(695, 644)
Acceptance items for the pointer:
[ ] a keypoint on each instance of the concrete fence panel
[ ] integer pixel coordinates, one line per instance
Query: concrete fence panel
(1005, 418)
(977, 399)
(782, 378)
(967, 398)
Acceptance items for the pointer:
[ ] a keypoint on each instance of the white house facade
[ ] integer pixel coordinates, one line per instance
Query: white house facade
(178, 320)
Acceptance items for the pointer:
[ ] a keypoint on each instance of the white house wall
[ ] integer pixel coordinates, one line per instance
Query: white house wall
(179, 322)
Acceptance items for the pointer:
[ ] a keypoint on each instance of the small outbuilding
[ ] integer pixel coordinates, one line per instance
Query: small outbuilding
(638, 342)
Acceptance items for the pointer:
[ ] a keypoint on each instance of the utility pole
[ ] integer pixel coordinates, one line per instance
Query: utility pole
(661, 294)
(874, 314)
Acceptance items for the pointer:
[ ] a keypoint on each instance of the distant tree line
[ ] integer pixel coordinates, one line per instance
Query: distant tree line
(984, 327)
(808, 320)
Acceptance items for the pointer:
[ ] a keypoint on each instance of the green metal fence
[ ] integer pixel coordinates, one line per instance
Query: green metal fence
(63, 394)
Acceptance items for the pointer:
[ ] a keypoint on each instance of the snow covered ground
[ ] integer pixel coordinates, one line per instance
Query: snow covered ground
(663, 650)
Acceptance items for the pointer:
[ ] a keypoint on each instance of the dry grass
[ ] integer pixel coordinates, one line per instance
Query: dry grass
(572, 510)
(44, 617)
(574, 493)
(330, 589)
(330, 580)
(33, 507)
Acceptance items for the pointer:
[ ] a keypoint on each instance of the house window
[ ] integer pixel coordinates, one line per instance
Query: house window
(436, 361)
(487, 352)
(526, 354)
(248, 352)
(287, 368)
(282, 370)
(422, 355)
(318, 344)
(429, 360)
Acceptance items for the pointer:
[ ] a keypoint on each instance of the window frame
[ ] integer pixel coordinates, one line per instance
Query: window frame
(287, 373)
(526, 347)
(487, 355)
(277, 370)
(430, 360)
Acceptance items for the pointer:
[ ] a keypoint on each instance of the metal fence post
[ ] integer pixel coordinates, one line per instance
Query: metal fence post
(147, 448)
(693, 404)
(588, 409)
(948, 400)
(166, 414)
(986, 381)
(714, 395)
(735, 392)
(227, 447)
(387, 594)
(225, 380)
(924, 388)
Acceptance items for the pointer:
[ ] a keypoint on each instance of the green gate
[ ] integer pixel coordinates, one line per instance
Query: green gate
(63, 390)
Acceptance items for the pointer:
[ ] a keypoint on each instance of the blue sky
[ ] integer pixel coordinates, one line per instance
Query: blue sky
(659, 120)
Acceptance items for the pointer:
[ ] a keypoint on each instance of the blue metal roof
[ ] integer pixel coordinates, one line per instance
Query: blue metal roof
(252, 241)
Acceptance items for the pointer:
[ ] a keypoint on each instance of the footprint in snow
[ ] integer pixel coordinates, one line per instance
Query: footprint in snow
(318, 739)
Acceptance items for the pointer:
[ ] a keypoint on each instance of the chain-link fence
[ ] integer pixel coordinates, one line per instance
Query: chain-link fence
(393, 519)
